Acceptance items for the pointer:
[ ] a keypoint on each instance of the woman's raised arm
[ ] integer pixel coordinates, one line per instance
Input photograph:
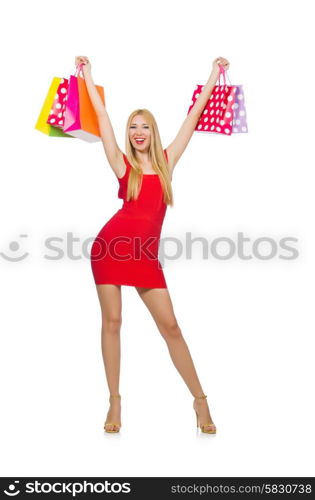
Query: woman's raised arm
(112, 151)
(178, 146)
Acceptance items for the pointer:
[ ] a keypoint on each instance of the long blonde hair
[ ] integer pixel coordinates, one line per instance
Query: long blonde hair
(156, 155)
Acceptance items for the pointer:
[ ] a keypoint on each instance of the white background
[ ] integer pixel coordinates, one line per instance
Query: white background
(249, 324)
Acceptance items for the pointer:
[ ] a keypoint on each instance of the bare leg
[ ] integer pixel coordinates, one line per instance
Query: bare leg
(159, 303)
(110, 301)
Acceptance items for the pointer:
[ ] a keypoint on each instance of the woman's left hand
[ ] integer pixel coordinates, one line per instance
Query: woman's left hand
(86, 65)
(220, 61)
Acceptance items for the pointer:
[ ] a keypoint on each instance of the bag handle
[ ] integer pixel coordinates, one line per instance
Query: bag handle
(78, 69)
(222, 71)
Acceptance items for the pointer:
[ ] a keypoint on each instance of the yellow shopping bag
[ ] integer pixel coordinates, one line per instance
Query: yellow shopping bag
(41, 123)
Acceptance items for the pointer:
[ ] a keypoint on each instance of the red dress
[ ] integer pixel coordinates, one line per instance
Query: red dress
(125, 251)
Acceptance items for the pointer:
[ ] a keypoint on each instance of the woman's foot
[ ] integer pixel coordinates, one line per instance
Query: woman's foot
(205, 421)
(113, 422)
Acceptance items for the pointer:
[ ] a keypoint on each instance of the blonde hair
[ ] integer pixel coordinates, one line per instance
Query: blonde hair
(156, 155)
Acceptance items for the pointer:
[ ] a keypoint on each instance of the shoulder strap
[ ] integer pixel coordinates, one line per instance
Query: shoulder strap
(128, 166)
(126, 160)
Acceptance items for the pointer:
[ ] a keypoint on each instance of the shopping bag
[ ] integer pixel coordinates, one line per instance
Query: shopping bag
(239, 119)
(218, 114)
(41, 123)
(72, 111)
(80, 118)
(56, 114)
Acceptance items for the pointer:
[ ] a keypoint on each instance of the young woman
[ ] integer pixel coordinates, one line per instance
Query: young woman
(125, 251)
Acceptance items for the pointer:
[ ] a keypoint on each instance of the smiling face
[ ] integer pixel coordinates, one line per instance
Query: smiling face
(139, 133)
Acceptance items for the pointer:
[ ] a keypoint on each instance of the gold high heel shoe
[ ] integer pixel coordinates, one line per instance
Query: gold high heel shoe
(203, 427)
(112, 423)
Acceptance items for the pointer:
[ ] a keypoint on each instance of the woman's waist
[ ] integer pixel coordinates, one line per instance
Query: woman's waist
(136, 214)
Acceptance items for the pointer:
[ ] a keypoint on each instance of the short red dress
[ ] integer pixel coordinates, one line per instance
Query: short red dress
(125, 251)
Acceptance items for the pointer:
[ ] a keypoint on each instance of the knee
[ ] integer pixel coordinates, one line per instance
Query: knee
(111, 325)
(171, 330)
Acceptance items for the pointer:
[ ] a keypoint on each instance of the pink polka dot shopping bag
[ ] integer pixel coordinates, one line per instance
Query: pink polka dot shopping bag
(225, 111)
(56, 115)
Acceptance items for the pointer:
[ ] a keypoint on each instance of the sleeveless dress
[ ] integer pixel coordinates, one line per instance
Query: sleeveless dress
(125, 251)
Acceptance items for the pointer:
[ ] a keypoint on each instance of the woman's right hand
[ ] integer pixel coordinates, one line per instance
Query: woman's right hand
(86, 65)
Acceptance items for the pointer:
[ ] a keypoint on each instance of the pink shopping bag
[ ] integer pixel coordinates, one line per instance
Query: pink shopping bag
(218, 114)
(72, 110)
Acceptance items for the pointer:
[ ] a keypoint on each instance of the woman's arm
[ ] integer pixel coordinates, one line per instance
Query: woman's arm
(179, 144)
(112, 150)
